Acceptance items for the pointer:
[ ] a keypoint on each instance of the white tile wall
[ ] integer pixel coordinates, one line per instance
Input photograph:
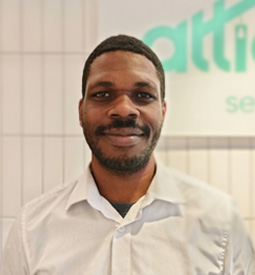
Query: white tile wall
(240, 173)
(11, 175)
(174, 153)
(73, 66)
(53, 165)
(11, 94)
(32, 95)
(73, 157)
(52, 25)
(198, 158)
(177, 156)
(90, 33)
(219, 163)
(32, 25)
(11, 25)
(43, 45)
(53, 95)
(73, 24)
(32, 168)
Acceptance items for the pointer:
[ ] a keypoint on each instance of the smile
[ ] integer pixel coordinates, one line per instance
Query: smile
(123, 137)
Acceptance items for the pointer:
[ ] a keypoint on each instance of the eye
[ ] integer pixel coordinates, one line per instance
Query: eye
(145, 96)
(102, 94)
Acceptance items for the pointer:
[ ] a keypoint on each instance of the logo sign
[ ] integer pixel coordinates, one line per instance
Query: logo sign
(207, 49)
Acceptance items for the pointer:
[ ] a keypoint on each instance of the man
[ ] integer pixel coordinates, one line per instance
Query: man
(127, 214)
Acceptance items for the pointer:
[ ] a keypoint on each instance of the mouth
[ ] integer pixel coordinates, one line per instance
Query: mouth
(123, 137)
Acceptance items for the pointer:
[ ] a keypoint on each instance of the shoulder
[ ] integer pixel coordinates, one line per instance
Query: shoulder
(213, 222)
(52, 201)
(201, 199)
(190, 186)
(195, 188)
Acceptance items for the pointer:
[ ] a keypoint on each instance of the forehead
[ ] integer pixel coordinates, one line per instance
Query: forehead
(122, 62)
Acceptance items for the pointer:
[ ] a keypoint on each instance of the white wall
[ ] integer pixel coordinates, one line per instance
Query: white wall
(43, 45)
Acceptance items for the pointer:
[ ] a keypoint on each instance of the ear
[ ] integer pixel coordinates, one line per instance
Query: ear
(164, 107)
(80, 110)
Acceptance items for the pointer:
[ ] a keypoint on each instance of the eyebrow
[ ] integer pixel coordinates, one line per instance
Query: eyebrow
(102, 84)
(139, 84)
(144, 84)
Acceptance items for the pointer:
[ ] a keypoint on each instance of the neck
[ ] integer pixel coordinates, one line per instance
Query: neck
(123, 189)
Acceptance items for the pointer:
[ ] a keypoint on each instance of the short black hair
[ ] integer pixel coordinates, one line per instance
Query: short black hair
(124, 43)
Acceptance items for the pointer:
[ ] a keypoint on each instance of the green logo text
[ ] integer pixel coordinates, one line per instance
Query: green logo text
(200, 28)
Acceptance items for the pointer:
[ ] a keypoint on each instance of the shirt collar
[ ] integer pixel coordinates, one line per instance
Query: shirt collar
(81, 189)
(164, 186)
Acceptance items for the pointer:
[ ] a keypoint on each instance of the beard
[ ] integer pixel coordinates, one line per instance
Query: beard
(122, 164)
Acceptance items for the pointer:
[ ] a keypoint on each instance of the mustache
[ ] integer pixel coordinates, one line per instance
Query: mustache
(119, 123)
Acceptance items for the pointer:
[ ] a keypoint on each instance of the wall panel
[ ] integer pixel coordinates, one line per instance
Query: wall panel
(11, 94)
(53, 95)
(32, 26)
(240, 173)
(52, 28)
(11, 25)
(218, 163)
(73, 26)
(73, 66)
(32, 95)
(53, 172)
(12, 176)
(176, 153)
(32, 168)
(73, 157)
(198, 158)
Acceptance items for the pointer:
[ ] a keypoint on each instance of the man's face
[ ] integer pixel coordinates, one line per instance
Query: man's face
(122, 111)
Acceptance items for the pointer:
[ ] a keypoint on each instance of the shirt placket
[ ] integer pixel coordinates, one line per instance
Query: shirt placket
(122, 243)
(121, 251)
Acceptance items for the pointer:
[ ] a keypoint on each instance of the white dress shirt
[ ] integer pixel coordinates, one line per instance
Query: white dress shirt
(181, 226)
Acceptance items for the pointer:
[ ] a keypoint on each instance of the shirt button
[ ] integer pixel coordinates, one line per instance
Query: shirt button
(122, 229)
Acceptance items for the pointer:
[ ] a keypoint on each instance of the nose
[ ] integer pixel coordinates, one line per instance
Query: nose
(124, 108)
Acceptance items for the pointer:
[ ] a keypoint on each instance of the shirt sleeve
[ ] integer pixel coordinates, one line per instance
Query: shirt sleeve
(240, 255)
(14, 256)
